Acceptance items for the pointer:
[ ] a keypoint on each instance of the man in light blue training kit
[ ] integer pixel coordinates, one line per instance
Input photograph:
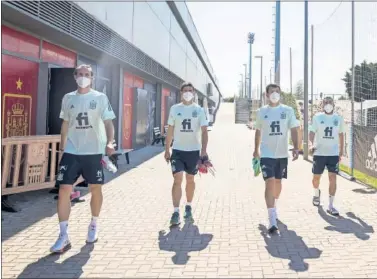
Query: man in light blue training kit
(188, 125)
(326, 139)
(87, 133)
(273, 123)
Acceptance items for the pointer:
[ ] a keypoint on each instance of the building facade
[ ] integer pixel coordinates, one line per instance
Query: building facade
(140, 53)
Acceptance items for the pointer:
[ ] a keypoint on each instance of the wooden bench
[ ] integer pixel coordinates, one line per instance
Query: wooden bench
(157, 136)
(115, 157)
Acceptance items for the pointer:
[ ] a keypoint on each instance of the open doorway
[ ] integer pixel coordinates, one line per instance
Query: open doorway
(61, 83)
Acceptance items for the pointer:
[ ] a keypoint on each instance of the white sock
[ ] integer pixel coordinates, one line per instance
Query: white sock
(94, 221)
(176, 209)
(316, 192)
(331, 201)
(188, 203)
(272, 216)
(63, 227)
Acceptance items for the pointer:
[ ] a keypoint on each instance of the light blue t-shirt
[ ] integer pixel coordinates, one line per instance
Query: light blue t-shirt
(187, 122)
(275, 124)
(85, 114)
(327, 128)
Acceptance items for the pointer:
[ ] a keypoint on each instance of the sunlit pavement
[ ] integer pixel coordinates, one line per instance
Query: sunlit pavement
(227, 239)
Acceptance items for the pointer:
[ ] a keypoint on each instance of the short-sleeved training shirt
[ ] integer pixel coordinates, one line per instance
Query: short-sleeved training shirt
(86, 114)
(327, 128)
(187, 121)
(275, 124)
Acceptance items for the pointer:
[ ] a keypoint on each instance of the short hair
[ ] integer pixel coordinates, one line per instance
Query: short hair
(328, 98)
(272, 85)
(86, 66)
(186, 84)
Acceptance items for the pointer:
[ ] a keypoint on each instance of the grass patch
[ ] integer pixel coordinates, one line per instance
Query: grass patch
(369, 180)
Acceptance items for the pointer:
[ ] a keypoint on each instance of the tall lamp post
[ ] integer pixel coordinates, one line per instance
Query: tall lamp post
(261, 78)
(250, 41)
(306, 80)
(245, 65)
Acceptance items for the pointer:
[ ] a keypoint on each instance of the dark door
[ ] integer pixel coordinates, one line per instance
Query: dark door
(61, 83)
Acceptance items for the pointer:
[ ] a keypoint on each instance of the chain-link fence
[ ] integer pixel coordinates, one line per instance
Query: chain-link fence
(351, 81)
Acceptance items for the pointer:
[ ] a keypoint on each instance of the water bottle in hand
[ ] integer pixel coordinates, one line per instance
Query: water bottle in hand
(106, 162)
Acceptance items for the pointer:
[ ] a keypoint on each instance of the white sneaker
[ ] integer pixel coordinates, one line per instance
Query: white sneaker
(92, 234)
(61, 245)
(273, 223)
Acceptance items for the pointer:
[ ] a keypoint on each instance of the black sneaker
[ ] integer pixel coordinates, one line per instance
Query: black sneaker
(273, 229)
(174, 221)
(188, 214)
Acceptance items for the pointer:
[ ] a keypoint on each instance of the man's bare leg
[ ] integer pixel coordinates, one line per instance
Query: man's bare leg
(190, 190)
(95, 206)
(317, 193)
(270, 202)
(332, 191)
(176, 196)
(64, 210)
(278, 187)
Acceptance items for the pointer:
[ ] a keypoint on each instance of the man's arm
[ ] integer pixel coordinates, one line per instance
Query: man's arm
(63, 134)
(258, 127)
(204, 139)
(342, 130)
(109, 127)
(294, 137)
(169, 137)
(204, 125)
(311, 138)
(294, 125)
(312, 132)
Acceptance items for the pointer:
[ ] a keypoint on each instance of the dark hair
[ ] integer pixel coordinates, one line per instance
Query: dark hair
(186, 84)
(86, 66)
(272, 85)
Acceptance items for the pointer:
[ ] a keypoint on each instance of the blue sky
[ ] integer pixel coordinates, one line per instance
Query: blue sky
(223, 27)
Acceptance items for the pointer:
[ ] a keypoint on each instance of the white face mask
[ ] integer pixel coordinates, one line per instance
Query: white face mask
(188, 96)
(274, 97)
(83, 82)
(328, 108)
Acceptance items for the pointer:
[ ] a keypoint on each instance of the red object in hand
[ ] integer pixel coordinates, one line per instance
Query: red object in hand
(205, 166)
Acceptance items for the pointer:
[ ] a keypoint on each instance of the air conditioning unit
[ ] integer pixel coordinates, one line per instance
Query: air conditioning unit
(209, 89)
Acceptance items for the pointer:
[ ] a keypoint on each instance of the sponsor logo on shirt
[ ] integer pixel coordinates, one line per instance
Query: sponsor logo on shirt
(83, 121)
(93, 105)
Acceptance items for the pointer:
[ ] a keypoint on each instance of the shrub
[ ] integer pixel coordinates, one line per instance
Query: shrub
(290, 100)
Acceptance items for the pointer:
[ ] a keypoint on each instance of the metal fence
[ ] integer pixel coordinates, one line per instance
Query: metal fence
(345, 60)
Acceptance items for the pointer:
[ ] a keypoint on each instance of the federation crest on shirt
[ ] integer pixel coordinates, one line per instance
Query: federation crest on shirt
(336, 122)
(93, 105)
(283, 115)
(195, 114)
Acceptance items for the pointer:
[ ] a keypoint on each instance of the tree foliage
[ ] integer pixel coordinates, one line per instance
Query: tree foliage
(290, 100)
(299, 90)
(365, 81)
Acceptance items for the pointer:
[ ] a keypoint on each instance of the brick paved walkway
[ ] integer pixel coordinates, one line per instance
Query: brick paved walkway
(228, 238)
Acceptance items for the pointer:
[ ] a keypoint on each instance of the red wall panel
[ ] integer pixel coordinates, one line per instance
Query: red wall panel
(19, 86)
(18, 42)
(129, 82)
(58, 55)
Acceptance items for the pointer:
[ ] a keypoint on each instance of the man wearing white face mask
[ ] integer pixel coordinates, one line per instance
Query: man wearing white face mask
(188, 125)
(326, 139)
(87, 133)
(273, 123)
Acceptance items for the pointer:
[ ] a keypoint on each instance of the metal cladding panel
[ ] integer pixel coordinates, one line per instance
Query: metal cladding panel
(69, 17)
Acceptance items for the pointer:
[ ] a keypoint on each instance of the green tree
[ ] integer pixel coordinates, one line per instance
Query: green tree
(365, 81)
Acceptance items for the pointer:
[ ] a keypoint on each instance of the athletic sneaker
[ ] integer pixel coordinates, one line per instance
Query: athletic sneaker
(75, 195)
(273, 223)
(175, 219)
(333, 211)
(92, 234)
(188, 214)
(317, 200)
(61, 245)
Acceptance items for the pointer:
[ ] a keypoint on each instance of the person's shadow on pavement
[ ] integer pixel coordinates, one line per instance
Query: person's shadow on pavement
(365, 191)
(47, 267)
(347, 225)
(183, 241)
(286, 244)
